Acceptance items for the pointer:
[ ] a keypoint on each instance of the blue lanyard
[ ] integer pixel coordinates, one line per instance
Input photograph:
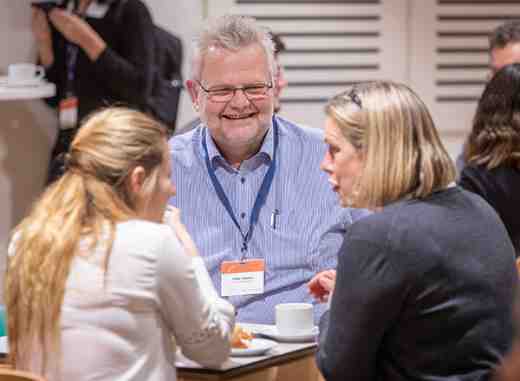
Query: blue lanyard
(260, 197)
(71, 60)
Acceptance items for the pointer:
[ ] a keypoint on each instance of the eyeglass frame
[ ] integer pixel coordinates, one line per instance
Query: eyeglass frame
(267, 85)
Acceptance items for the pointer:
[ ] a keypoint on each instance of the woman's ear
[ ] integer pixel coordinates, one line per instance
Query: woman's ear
(136, 180)
(193, 90)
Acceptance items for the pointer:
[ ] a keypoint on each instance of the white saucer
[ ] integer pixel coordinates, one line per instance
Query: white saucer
(299, 338)
(256, 347)
(4, 81)
(271, 332)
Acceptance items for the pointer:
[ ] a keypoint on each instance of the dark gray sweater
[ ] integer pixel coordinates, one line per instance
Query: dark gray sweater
(424, 291)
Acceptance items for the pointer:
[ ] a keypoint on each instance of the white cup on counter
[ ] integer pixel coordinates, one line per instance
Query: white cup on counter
(293, 319)
(20, 73)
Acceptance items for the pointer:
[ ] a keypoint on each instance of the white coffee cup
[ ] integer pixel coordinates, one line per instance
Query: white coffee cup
(294, 319)
(24, 73)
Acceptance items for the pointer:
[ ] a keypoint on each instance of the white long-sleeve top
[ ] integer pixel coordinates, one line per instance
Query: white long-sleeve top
(154, 292)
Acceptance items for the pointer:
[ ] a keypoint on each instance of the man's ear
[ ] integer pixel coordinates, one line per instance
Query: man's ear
(136, 180)
(193, 89)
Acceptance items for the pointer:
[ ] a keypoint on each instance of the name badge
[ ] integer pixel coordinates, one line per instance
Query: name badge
(68, 113)
(242, 278)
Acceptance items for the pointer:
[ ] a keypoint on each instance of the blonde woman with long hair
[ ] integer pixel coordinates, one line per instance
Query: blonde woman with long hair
(97, 285)
(425, 286)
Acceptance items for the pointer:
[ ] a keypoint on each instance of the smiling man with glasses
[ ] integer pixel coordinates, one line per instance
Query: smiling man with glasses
(263, 216)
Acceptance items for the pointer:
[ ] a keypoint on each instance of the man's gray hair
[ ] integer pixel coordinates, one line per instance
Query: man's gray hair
(506, 33)
(232, 32)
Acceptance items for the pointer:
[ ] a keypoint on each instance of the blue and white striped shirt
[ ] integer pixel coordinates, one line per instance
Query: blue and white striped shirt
(309, 228)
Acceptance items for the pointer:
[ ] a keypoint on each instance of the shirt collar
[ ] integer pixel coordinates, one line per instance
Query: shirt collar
(266, 150)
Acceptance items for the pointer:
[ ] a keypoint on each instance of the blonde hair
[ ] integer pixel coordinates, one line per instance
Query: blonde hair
(232, 32)
(92, 194)
(392, 129)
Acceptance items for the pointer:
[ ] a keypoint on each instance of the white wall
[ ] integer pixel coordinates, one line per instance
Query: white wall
(28, 128)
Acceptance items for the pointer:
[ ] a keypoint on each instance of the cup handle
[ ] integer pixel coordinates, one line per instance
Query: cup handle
(40, 72)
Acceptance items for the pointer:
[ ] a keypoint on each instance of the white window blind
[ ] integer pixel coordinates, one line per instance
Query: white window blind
(438, 47)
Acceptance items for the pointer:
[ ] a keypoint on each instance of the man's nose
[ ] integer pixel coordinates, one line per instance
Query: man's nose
(240, 98)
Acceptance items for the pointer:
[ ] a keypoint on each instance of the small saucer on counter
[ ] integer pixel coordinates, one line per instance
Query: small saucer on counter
(270, 331)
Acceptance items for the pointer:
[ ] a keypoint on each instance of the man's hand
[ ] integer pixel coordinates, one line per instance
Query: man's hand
(172, 217)
(42, 35)
(77, 31)
(322, 285)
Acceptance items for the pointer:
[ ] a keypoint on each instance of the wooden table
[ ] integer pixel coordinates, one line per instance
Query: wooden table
(285, 362)
(294, 359)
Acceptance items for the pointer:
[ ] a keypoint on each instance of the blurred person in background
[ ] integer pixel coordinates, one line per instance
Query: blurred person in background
(504, 46)
(425, 286)
(504, 49)
(492, 150)
(97, 54)
(97, 285)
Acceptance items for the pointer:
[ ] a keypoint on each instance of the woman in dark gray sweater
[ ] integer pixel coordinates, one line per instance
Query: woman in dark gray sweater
(425, 286)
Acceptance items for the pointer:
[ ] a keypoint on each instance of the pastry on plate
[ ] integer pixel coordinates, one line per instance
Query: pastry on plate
(241, 338)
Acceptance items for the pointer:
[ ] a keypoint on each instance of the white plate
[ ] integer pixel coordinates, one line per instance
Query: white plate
(4, 81)
(256, 347)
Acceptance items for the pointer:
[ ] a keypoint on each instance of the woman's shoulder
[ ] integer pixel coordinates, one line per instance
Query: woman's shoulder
(143, 226)
(374, 228)
(141, 234)
(481, 172)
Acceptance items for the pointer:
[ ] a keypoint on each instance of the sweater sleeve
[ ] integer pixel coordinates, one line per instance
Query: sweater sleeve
(128, 72)
(56, 72)
(200, 320)
(366, 300)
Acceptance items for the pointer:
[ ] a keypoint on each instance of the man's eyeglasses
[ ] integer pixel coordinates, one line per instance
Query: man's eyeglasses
(252, 92)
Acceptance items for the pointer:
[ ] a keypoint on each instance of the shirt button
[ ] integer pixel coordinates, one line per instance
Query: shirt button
(243, 180)
(243, 215)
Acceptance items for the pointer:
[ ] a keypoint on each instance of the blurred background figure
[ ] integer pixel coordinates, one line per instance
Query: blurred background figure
(280, 84)
(280, 80)
(98, 53)
(504, 49)
(492, 150)
(93, 266)
(504, 46)
(425, 286)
